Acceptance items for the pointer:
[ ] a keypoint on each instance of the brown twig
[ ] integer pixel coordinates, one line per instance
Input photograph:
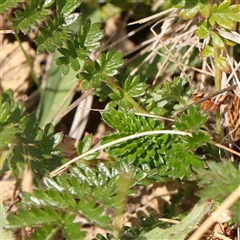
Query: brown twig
(204, 99)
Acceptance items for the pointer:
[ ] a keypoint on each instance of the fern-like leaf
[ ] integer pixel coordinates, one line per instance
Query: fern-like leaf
(173, 155)
(10, 114)
(28, 141)
(31, 15)
(86, 191)
(57, 31)
(146, 149)
(133, 88)
(6, 4)
(46, 218)
(52, 36)
(171, 96)
(80, 47)
(218, 182)
(193, 120)
(180, 161)
(97, 72)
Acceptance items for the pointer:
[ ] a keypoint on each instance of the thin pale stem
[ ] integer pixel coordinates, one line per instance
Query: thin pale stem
(218, 76)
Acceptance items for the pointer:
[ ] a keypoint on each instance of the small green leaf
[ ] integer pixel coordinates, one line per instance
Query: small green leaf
(71, 229)
(68, 20)
(135, 87)
(192, 8)
(34, 217)
(217, 41)
(48, 3)
(6, 4)
(7, 135)
(225, 15)
(64, 69)
(50, 141)
(93, 36)
(52, 36)
(205, 11)
(192, 121)
(110, 62)
(31, 15)
(84, 145)
(207, 51)
(67, 7)
(222, 64)
(4, 112)
(203, 29)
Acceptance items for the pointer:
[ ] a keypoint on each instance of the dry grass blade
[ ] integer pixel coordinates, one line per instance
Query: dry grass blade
(233, 197)
(75, 104)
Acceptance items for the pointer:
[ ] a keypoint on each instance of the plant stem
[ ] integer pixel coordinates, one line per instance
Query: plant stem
(36, 80)
(117, 89)
(218, 77)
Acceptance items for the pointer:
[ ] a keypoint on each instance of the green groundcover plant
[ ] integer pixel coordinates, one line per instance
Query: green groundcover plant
(143, 148)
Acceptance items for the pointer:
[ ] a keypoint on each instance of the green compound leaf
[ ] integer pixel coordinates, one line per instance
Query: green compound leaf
(97, 72)
(47, 221)
(191, 8)
(174, 156)
(218, 182)
(84, 191)
(90, 35)
(80, 47)
(6, 4)
(28, 141)
(180, 162)
(110, 62)
(10, 114)
(146, 149)
(172, 95)
(132, 87)
(192, 121)
(30, 16)
(135, 87)
(225, 14)
(34, 217)
(52, 36)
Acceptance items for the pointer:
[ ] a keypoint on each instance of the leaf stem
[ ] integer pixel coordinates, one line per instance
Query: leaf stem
(36, 80)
